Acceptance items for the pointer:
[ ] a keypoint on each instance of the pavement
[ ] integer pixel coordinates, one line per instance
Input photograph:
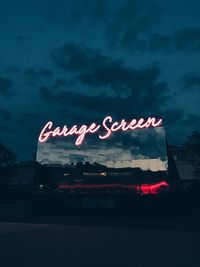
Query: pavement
(94, 244)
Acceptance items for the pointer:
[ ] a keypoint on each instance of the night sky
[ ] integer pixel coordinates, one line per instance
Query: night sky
(76, 61)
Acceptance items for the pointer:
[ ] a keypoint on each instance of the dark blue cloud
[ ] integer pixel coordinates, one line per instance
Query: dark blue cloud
(5, 86)
(5, 115)
(81, 59)
(191, 82)
(91, 67)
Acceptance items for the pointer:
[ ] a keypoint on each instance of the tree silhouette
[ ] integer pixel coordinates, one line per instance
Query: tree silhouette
(7, 156)
(193, 142)
(7, 162)
(192, 145)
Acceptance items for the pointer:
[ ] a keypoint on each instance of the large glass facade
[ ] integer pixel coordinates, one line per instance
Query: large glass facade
(121, 163)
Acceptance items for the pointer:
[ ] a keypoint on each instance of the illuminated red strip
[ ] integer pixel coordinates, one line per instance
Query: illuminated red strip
(153, 189)
(87, 186)
(144, 188)
(154, 186)
(107, 125)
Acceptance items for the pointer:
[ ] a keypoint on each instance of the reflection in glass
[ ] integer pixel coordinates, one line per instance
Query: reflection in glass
(118, 164)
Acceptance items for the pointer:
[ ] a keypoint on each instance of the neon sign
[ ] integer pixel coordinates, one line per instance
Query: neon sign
(107, 126)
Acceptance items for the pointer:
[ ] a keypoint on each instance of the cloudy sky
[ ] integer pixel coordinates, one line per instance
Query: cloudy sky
(77, 61)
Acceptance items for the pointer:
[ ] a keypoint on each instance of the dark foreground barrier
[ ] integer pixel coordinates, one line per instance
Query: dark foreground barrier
(107, 205)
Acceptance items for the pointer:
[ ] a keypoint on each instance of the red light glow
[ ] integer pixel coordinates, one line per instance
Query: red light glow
(142, 189)
(154, 188)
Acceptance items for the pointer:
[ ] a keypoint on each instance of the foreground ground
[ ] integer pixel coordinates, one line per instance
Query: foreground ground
(99, 242)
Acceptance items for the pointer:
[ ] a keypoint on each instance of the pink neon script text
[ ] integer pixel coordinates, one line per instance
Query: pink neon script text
(108, 127)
